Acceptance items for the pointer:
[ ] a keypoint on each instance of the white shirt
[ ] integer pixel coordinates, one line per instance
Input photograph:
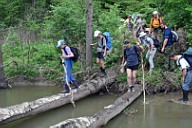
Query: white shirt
(182, 63)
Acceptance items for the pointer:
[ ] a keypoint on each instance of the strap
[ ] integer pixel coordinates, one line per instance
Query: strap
(65, 50)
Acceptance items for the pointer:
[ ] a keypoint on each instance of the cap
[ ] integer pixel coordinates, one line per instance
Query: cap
(142, 34)
(60, 42)
(96, 33)
(126, 41)
(155, 12)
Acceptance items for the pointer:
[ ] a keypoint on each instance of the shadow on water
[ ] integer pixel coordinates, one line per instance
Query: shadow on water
(84, 107)
(158, 114)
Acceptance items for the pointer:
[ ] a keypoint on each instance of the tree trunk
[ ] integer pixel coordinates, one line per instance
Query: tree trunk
(44, 104)
(89, 17)
(103, 116)
(2, 76)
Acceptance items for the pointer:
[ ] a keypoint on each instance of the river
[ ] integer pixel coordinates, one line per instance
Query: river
(157, 113)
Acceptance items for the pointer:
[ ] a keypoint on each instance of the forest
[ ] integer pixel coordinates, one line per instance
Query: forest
(30, 31)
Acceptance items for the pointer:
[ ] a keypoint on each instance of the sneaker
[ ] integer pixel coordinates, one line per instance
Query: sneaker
(129, 89)
(133, 89)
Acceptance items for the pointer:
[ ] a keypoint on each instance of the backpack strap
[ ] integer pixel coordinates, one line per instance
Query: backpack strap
(64, 49)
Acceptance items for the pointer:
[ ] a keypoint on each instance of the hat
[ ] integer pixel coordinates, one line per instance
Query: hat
(96, 33)
(142, 34)
(60, 42)
(147, 29)
(126, 42)
(155, 12)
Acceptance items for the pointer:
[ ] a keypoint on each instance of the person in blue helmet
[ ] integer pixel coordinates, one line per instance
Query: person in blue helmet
(66, 56)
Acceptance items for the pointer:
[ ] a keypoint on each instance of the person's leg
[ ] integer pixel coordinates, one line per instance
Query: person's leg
(186, 85)
(134, 79)
(129, 79)
(151, 62)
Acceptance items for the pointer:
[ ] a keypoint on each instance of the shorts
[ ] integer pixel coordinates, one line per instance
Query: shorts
(133, 67)
(100, 55)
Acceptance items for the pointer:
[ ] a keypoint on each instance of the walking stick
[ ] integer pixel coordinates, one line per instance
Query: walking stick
(143, 77)
(66, 79)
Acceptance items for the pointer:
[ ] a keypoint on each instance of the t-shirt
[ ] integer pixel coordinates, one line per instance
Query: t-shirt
(101, 44)
(67, 50)
(147, 40)
(168, 34)
(182, 63)
(131, 55)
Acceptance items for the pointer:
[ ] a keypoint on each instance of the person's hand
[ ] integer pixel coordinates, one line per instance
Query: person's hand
(122, 65)
(163, 50)
(92, 44)
(104, 54)
(63, 56)
(150, 53)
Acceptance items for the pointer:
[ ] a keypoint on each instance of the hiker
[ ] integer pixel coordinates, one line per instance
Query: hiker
(101, 51)
(140, 24)
(186, 78)
(68, 64)
(148, 41)
(131, 60)
(167, 47)
(129, 23)
(155, 28)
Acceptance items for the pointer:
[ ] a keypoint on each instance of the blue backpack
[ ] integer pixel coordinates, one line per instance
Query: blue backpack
(108, 40)
(188, 55)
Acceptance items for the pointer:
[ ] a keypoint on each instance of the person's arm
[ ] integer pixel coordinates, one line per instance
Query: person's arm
(184, 73)
(151, 25)
(93, 44)
(68, 51)
(164, 44)
(151, 47)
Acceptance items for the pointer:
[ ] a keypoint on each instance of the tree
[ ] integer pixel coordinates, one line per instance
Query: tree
(2, 76)
(89, 18)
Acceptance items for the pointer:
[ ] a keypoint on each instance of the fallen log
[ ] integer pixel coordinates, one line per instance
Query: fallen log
(26, 109)
(103, 116)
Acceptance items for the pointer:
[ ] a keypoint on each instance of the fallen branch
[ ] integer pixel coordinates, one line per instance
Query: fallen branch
(103, 116)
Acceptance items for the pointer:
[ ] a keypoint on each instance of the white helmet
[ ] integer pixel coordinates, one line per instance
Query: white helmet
(96, 33)
(155, 12)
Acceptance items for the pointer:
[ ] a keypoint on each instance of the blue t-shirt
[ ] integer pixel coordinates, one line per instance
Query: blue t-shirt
(131, 55)
(168, 34)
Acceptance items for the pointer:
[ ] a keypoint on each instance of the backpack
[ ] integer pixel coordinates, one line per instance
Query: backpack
(108, 40)
(187, 55)
(175, 36)
(155, 42)
(136, 51)
(75, 52)
(158, 20)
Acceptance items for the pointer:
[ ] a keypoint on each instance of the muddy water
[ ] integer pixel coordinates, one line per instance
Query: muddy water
(21, 94)
(158, 114)
(84, 107)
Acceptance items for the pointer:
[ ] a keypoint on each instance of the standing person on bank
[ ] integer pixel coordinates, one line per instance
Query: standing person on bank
(131, 60)
(155, 28)
(186, 75)
(101, 51)
(167, 47)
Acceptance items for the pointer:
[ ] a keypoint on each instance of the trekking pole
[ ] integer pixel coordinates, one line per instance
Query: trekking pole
(66, 79)
(143, 77)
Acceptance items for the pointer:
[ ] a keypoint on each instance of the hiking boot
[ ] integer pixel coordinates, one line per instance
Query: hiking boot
(185, 96)
(66, 90)
(74, 85)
